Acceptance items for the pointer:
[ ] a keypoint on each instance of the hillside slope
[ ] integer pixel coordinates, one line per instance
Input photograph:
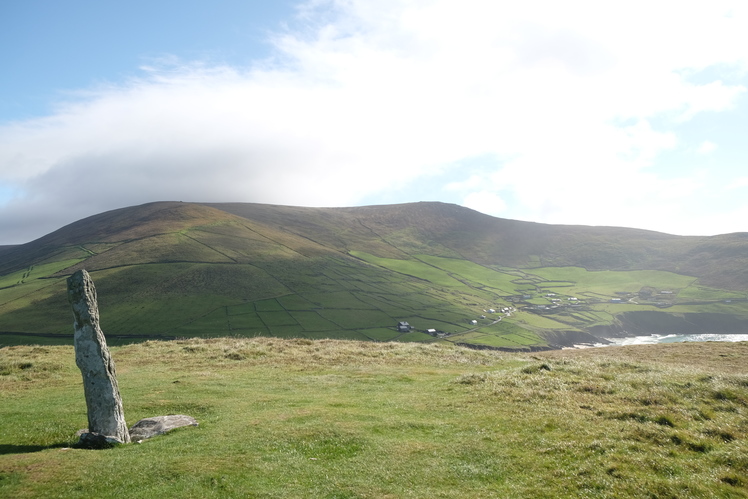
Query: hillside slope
(172, 269)
(449, 230)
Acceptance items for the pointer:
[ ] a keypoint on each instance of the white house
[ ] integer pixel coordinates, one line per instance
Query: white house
(403, 327)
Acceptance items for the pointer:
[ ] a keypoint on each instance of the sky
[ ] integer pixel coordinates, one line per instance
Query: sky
(619, 113)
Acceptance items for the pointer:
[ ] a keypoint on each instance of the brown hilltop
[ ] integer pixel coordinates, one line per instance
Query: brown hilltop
(241, 232)
(449, 230)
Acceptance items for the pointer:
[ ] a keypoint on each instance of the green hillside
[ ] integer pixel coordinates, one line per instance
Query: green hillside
(170, 270)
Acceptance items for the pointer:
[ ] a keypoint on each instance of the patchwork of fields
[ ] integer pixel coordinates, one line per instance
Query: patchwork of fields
(171, 270)
(363, 298)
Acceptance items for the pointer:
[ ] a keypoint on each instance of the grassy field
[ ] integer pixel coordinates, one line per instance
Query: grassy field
(343, 419)
(607, 282)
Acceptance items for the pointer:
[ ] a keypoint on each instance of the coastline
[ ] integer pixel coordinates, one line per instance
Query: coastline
(654, 339)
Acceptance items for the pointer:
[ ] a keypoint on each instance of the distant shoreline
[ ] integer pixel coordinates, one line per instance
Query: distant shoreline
(674, 338)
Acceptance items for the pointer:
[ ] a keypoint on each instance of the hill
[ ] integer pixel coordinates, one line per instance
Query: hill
(448, 230)
(344, 419)
(171, 269)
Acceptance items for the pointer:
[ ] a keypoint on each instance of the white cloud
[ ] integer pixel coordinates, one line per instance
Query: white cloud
(371, 94)
(738, 183)
(706, 147)
(486, 202)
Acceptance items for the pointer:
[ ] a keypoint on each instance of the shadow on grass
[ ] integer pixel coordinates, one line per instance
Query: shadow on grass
(26, 449)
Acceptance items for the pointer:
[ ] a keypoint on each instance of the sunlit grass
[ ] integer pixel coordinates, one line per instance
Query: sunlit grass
(302, 418)
(609, 282)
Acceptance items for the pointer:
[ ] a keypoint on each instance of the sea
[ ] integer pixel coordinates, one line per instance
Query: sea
(674, 338)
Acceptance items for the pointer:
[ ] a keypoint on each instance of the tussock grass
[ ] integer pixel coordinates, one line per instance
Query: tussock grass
(302, 353)
(330, 418)
(24, 365)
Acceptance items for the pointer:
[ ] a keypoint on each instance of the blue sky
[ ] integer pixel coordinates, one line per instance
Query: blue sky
(51, 49)
(579, 112)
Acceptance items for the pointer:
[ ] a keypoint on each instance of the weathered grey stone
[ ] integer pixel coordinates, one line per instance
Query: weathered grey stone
(103, 402)
(150, 427)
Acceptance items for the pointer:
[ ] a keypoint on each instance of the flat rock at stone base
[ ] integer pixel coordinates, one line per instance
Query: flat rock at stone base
(92, 440)
(158, 425)
(143, 429)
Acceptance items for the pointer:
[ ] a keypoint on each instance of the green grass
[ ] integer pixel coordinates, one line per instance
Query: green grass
(268, 306)
(412, 268)
(213, 323)
(340, 300)
(35, 272)
(609, 282)
(30, 339)
(23, 295)
(312, 321)
(415, 336)
(279, 318)
(358, 319)
(246, 321)
(295, 302)
(736, 309)
(474, 273)
(380, 334)
(540, 321)
(429, 323)
(287, 331)
(302, 418)
(696, 292)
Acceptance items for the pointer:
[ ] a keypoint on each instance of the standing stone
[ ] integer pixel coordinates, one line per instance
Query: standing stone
(106, 420)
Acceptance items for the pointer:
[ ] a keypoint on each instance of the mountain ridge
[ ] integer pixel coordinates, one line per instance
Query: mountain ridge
(472, 234)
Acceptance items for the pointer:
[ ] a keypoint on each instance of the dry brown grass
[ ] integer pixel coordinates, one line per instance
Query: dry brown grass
(722, 357)
(305, 354)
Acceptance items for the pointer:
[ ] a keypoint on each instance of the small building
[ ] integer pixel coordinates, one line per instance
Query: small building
(491, 311)
(616, 300)
(473, 322)
(403, 327)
